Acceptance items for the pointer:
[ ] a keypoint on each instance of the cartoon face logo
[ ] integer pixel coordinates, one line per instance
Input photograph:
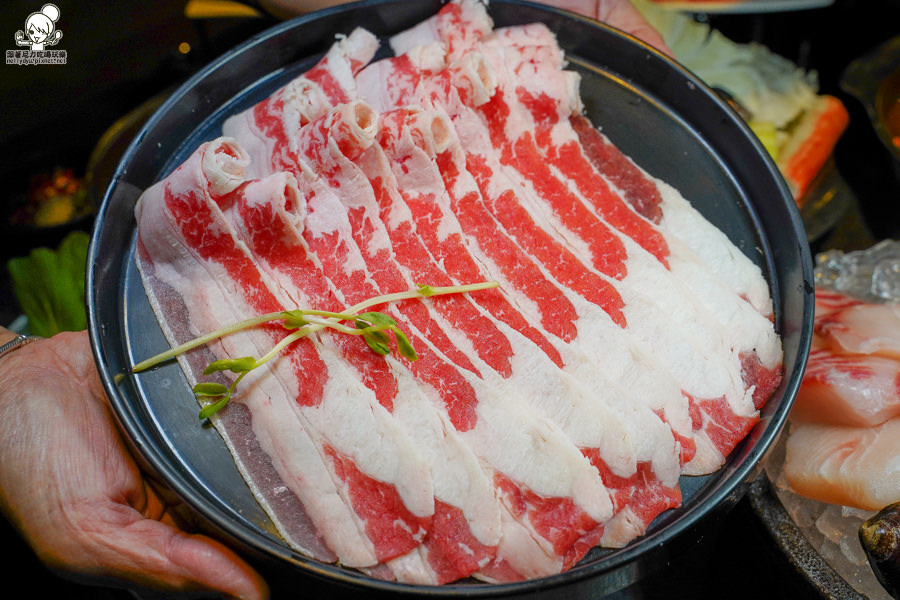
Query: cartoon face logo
(40, 29)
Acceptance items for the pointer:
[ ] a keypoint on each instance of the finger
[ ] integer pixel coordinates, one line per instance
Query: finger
(213, 566)
(163, 505)
(117, 543)
(620, 14)
(623, 14)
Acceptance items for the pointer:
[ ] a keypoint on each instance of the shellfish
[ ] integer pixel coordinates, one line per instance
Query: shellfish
(880, 539)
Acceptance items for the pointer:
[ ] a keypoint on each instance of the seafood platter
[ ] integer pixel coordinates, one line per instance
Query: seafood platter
(833, 471)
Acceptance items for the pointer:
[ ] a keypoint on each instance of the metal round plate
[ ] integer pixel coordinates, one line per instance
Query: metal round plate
(654, 110)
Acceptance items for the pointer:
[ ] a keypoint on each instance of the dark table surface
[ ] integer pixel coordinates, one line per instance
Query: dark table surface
(735, 556)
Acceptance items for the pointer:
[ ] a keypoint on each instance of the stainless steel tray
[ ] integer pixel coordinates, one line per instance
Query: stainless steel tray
(655, 111)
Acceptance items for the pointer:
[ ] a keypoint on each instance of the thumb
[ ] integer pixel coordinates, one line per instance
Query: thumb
(157, 556)
(210, 564)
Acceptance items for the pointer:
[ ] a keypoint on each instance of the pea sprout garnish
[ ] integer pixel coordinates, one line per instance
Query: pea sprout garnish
(375, 327)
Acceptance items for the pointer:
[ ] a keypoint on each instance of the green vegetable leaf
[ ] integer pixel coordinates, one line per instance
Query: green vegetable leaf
(72, 253)
(49, 285)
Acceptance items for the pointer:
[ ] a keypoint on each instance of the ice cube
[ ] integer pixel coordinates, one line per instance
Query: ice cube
(886, 280)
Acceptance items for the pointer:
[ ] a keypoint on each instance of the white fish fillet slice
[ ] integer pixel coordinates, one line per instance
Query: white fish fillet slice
(862, 329)
(860, 390)
(849, 466)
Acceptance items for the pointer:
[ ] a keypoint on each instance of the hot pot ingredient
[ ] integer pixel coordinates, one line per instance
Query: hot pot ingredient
(628, 343)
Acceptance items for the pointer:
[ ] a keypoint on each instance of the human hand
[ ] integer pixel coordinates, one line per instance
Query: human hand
(71, 488)
(620, 14)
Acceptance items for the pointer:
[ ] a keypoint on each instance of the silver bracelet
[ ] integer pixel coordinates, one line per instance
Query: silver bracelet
(17, 342)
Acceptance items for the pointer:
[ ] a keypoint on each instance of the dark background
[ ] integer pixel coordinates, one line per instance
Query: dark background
(121, 54)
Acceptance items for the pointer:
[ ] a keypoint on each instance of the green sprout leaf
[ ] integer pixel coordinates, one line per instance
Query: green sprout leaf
(378, 342)
(372, 325)
(375, 319)
(211, 409)
(404, 347)
(235, 365)
(213, 390)
(294, 319)
(210, 389)
(426, 290)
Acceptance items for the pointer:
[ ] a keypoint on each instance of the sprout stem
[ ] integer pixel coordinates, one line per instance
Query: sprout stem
(422, 291)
